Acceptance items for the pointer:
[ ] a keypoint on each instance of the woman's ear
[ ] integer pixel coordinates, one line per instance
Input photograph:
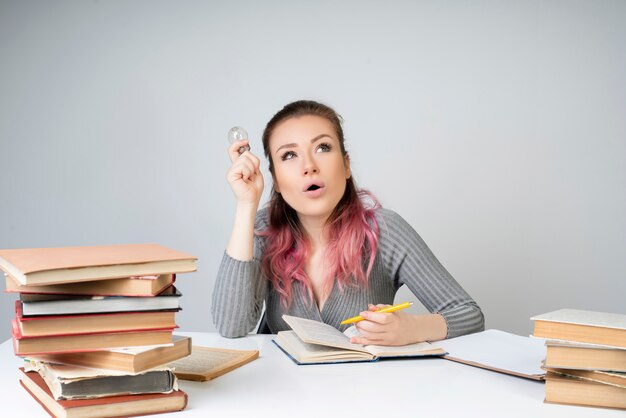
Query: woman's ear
(346, 163)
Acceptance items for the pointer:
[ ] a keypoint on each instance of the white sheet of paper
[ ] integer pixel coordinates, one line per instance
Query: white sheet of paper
(498, 349)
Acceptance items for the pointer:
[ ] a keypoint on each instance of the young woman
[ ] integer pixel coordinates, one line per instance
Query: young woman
(324, 250)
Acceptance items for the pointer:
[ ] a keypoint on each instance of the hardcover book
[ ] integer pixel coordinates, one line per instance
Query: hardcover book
(132, 360)
(25, 346)
(40, 326)
(601, 328)
(74, 382)
(313, 342)
(128, 286)
(574, 391)
(566, 355)
(39, 266)
(113, 406)
(35, 304)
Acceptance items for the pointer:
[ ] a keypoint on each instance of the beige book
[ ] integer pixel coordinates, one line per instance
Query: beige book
(584, 357)
(39, 266)
(575, 391)
(582, 326)
(128, 286)
(314, 342)
(132, 360)
(206, 363)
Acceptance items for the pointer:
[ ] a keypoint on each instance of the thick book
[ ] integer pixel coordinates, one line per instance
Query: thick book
(40, 326)
(574, 391)
(313, 342)
(132, 360)
(38, 266)
(566, 355)
(128, 286)
(574, 325)
(74, 382)
(113, 406)
(24, 346)
(498, 351)
(35, 304)
(206, 363)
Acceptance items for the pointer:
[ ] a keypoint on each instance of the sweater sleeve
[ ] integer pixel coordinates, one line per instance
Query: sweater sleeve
(239, 292)
(412, 263)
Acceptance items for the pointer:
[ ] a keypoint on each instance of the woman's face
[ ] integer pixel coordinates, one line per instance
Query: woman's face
(309, 170)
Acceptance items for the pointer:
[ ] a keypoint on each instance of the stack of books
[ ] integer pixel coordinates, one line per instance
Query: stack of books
(95, 325)
(585, 357)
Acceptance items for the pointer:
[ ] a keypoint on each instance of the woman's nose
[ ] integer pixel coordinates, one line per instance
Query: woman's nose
(308, 162)
(310, 169)
(309, 165)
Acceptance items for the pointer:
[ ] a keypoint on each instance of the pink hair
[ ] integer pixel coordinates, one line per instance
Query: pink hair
(352, 233)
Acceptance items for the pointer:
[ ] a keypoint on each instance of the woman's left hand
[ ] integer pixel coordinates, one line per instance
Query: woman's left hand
(399, 328)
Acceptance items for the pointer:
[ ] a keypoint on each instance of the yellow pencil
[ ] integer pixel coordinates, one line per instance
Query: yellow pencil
(383, 310)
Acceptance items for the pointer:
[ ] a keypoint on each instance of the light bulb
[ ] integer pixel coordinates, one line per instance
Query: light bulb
(237, 133)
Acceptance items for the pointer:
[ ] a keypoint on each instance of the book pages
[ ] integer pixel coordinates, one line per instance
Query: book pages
(315, 332)
(314, 352)
(207, 363)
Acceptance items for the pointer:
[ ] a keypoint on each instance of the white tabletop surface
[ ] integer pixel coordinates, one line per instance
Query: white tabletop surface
(274, 386)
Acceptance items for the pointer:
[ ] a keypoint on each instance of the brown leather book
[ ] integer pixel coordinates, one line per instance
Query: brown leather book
(39, 266)
(113, 406)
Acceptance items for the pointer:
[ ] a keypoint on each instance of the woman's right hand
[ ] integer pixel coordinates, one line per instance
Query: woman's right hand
(244, 175)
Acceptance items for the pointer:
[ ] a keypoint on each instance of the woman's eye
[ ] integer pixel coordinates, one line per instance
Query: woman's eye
(288, 155)
(323, 148)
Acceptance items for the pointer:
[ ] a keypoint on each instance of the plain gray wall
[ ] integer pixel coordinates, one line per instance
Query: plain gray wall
(496, 128)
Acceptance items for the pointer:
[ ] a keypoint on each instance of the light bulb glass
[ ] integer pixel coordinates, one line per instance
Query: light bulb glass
(237, 133)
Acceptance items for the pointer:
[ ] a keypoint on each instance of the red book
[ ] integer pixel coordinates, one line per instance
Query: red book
(112, 406)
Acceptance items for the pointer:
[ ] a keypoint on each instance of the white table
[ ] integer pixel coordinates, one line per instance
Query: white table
(273, 386)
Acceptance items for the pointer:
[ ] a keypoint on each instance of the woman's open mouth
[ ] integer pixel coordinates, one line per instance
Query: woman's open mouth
(314, 189)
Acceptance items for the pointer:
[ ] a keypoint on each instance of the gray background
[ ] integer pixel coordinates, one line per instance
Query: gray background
(496, 128)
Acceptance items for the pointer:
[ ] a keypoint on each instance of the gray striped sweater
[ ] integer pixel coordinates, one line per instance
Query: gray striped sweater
(402, 258)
